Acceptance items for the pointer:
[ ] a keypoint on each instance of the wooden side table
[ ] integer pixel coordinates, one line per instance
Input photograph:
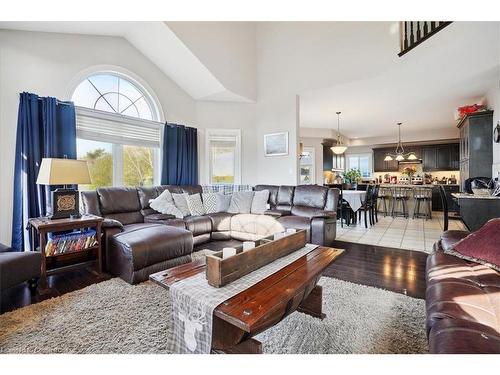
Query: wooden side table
(41, 226)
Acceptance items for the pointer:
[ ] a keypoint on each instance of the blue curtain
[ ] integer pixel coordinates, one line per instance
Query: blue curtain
(180, 155)
(46, 128)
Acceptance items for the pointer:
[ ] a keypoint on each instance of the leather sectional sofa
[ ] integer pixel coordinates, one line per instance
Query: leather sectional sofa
(139, 241)
(462, 302)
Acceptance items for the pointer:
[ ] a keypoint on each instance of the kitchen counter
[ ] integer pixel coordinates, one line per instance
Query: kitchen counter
(413, 185)
(473, 196)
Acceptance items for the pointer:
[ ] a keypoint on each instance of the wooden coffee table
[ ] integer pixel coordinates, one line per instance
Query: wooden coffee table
(264, 304)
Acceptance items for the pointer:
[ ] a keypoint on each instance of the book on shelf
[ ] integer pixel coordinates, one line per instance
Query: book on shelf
(70, 242)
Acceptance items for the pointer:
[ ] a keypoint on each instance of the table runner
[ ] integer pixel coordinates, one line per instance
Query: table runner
(354, 198)
(194, 301)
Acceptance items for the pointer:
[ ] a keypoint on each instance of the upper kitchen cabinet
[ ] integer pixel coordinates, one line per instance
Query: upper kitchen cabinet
(379, 165)
(476, 145)
(332, 161)
(440, 157)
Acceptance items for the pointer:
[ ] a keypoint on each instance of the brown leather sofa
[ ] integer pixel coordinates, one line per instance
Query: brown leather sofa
(462, 302)
(139, 241)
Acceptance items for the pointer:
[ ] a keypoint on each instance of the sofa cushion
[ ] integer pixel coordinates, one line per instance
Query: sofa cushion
(152, 243)
(312, 196)
(273, 193)
(19, 266)
(481, 246)
(285, 197)
(191, 189)
(312, 212)
(259, 202)
(209, 202)
(198, 224)
(145, 195)
(118, 200)
(296, 222)
(221, 221)
(181, 203)
(195, 204)
(241, 202)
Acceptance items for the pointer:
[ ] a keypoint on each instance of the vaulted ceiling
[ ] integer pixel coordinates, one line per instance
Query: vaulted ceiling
(351, 67)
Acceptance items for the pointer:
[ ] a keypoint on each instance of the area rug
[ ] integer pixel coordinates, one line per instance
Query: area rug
(115, 317)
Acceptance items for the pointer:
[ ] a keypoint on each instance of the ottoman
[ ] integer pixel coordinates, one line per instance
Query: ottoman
(135, 254)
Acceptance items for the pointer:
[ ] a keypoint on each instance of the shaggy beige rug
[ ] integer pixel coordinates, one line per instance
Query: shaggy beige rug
(115, 317)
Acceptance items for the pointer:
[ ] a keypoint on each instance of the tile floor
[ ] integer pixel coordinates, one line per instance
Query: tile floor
(412, 234)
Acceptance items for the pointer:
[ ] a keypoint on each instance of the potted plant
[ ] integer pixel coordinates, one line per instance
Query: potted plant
(352, 176)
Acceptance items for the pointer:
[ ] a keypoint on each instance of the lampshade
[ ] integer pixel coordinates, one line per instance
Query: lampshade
(338, 149)
(400, 157)
(412, 156)
(63, 172)
(388, 158)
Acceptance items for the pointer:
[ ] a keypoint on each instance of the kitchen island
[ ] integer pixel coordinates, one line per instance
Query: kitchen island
(477, 209)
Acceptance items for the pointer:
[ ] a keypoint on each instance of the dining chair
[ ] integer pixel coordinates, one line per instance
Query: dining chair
(374, 208)
(367, 206)
(444, 203)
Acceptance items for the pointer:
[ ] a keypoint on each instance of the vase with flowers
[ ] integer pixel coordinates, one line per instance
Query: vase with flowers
(410, 171)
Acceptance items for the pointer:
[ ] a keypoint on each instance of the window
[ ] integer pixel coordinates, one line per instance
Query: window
(117, 129)
(363, 162)
(223, 155)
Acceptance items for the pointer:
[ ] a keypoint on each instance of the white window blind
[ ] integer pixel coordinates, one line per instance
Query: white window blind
(109, 127)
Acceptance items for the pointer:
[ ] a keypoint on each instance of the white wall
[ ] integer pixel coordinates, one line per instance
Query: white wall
(45, 64)
(219, 115)
(227, 49)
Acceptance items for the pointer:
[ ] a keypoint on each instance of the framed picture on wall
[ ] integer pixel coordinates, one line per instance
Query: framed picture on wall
(276, 144)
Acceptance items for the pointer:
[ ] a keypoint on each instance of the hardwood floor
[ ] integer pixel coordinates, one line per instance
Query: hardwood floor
(398, 270)
(401, 271)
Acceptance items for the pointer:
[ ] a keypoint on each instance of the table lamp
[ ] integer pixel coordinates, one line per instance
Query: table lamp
(64, 201)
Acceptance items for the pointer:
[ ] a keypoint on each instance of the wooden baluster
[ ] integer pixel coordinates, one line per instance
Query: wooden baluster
(419, 35)
(426, 28)
(433, 25)
(412, 37)
(405, 44)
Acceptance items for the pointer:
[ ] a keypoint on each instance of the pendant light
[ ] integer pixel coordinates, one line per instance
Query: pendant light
(399, 153)
(339, 148)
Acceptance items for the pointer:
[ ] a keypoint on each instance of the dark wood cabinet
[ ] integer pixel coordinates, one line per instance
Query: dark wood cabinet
(476, 146)
(429, 158)
(379, 165)
(441, 157)
(332, 161)
(327, 157)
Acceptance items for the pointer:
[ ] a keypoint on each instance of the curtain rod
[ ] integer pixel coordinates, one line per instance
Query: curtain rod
(59, 101)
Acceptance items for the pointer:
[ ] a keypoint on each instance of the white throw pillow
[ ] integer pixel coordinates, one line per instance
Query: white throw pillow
(210, 202)
(259, 202)
(163, 206)
(195, 205)
(161, 201)
(223, 202)
(181, 203)
(241, 202)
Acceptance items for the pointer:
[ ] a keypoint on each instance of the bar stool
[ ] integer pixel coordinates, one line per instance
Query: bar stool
(400, 197)
(422, 195)
(385, 196)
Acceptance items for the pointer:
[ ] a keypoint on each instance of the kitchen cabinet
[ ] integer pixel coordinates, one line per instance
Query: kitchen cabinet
(440, 157)
(437, 204)
(332, 161)
(476, 146)
(379, 165)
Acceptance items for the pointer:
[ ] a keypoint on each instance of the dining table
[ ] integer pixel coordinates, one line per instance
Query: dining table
(355, 198)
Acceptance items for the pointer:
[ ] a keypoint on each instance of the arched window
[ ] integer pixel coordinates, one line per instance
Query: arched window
(118, 131)
(116, 94)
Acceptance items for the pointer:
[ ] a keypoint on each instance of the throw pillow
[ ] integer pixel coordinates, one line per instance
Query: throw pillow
(241, 202)
(195, 205)
(223, 202)
(481, 246)
(161, 201)
(259, 202)
(210, 202)
(181, 203)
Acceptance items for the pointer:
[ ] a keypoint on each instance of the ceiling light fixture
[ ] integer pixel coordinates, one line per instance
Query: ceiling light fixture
(339, 148)
(400, 154)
